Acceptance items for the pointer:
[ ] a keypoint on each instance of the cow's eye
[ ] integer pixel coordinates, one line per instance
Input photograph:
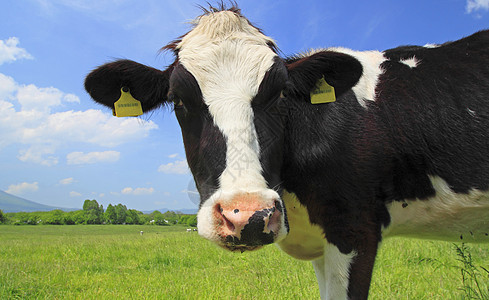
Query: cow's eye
(283, 94)
(177, 102)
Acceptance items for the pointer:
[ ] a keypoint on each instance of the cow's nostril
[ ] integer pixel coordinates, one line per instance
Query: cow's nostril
(278, 206)
(228, 223)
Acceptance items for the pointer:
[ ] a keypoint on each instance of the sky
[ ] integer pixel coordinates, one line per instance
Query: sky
(58, 147)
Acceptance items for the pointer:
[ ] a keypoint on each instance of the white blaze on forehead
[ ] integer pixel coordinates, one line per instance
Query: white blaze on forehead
(229, 58)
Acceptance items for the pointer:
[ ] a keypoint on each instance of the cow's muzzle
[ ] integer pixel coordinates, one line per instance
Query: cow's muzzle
(246, 222)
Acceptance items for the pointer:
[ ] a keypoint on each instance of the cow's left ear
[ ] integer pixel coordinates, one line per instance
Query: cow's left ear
(340, 70)
(146, 84)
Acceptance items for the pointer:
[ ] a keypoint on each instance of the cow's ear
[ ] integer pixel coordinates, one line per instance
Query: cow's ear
(340, 70)
(146, 84)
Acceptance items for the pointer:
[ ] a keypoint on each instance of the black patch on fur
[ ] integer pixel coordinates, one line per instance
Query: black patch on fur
(270, 114)
(205, 145)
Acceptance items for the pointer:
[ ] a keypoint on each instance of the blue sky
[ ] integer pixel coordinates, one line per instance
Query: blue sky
(57, 147)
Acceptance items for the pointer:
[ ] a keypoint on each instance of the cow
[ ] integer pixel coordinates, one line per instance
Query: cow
(327, 152)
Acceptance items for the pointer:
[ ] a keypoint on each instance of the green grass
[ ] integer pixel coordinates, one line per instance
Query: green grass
(116, 262)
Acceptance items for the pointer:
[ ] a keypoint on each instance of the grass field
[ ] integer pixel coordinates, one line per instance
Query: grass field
(116, 262)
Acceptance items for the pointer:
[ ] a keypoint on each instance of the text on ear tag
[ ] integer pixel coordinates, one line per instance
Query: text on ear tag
(127, 106)
(322, 92)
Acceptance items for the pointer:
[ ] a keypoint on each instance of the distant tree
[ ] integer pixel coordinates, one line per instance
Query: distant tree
(77, 216)
(110, 215)
(3, 218)
(189, 220)
(25, 218)
(68, 219)
(144, 218)
(93, 212)
(121, 214)
(157, 218)
(172, 217)
(134, 217)
(54, 217)
(192, 220)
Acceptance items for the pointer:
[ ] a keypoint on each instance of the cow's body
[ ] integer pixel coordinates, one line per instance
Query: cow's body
(404, 150)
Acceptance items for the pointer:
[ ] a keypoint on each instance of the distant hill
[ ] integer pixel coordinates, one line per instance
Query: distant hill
(186, 211)
(11, 203)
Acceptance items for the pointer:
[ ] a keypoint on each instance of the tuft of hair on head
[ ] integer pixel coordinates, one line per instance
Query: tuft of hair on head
(220, 6)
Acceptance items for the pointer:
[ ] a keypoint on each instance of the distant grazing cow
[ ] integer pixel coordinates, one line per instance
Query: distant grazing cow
(189, 230)
(399, 147)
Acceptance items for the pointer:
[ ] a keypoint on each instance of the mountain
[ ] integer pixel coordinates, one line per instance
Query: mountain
(11, 203)
(186, 211)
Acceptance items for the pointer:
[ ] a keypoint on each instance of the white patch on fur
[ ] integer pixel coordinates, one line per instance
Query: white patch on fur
(305, 241)
(229, 58)
(333, 273)
(410, 62)
(371, 62)
(447, 216)
(430, 46)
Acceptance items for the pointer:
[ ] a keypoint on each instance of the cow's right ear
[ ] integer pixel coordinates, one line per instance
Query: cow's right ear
(146, 84)
(342, 71)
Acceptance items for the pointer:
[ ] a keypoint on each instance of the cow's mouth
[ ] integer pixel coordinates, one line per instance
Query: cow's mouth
(240, 248)
(250, 239)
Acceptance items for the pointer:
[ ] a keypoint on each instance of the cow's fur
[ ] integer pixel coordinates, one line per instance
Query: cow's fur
(404, 150)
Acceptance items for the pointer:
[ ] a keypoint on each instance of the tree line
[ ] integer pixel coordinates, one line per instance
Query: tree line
(94, 213)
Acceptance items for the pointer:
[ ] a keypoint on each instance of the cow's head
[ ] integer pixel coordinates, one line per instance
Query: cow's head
(226, 89)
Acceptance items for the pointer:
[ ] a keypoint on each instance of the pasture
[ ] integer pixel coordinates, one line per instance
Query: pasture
(116, 262)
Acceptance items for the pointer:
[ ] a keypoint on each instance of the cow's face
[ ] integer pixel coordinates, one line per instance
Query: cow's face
(225, 86)
(225, 82)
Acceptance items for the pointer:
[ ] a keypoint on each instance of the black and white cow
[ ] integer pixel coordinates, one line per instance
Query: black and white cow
(404, 149)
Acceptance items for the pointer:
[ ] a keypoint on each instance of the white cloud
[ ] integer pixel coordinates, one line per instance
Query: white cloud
(67, 181)
(137, 191)
(177, 167)
(7, 86)
(476, 5)
(32, 118)
(70, 98)
(31, 97)
(40, 154)
(80, 158)
(10, 52)
(75, 194)
(21, 188)
(173, 155)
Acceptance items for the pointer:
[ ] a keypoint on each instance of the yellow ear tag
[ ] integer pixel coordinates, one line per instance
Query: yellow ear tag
(127, 106)
(322, 93)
